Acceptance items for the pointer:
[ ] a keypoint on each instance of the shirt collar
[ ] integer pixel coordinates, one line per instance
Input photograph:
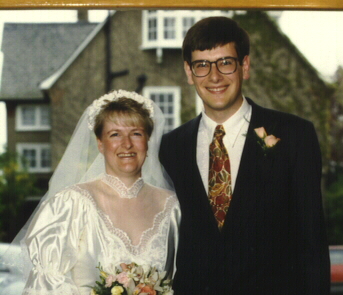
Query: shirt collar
(232, 126)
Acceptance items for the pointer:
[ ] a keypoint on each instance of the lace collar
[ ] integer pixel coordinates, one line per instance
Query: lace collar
(121, 188)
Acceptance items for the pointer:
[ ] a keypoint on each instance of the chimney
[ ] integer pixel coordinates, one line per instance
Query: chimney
(82, 15)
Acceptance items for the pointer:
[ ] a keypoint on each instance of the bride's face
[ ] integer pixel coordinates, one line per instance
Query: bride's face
(124, 149)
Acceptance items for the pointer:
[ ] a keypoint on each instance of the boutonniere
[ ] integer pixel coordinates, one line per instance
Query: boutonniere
(267, 142)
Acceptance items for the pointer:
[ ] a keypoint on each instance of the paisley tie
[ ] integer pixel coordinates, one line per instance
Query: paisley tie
(219, 177)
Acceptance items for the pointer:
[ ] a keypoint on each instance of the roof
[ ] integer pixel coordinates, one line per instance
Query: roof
(49, 82)
(34, 52)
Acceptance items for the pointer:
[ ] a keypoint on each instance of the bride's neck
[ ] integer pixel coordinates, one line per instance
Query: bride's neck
(127, 180)
(126, 190)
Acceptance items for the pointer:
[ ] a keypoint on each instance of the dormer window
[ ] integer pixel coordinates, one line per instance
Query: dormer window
(187, 22)
(152, 31)
(167, 28)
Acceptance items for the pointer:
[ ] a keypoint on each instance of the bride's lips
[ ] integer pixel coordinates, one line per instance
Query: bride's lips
(217, 90)
(126, 155)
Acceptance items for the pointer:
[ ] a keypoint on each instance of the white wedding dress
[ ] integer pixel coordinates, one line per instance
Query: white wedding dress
(100, 221)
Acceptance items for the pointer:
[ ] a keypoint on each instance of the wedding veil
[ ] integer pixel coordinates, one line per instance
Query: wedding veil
(82, 162)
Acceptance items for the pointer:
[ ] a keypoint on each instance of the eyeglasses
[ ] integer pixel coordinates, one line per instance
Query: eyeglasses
(225, 65)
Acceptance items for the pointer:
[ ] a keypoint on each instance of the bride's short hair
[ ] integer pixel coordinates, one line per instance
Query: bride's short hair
(124, 111)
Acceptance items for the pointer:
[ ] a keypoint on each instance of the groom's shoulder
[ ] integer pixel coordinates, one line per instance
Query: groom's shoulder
(280, 116)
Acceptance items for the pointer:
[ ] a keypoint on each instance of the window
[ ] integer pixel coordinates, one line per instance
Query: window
(168, 99)
(28, 115)
(152, 32)
(30, 156)
(36, 155)
(169, 28)
(187, 22)
(33, 118)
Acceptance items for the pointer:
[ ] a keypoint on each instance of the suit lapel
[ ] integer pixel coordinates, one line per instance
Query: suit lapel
(193, 136)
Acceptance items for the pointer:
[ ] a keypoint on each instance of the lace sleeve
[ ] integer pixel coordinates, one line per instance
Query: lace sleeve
(52, 242)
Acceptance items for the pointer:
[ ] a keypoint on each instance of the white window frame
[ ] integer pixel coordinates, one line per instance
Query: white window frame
(185, 27)
(38, 147)
(169, 28)
(152, 30)
(176, 92)
(160, 15)
(37, 125)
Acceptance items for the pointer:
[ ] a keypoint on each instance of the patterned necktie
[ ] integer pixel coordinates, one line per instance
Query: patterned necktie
(219, 177)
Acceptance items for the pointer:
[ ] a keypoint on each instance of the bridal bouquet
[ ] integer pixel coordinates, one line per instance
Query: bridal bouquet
(132, 279)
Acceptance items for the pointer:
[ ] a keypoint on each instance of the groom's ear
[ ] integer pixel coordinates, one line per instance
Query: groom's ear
(188, 72)
(246, 67)
(100, 146)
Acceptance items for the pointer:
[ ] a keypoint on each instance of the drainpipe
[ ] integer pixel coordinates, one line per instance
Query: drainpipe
(82, 15)
(109, 74)
(141, 79)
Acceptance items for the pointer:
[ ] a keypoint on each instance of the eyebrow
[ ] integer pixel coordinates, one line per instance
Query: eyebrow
(197, 60)
(133, 129)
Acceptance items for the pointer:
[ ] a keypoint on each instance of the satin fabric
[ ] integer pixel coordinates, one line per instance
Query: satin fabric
(70, 236)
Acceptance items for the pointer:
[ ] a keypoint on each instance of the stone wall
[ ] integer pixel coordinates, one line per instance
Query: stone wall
(127, 54)
(282, 79)
(82, 82)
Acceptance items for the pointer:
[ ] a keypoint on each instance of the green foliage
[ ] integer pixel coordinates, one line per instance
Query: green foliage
(100, 286)
(15, 185)
(282, 79)
(334, 210)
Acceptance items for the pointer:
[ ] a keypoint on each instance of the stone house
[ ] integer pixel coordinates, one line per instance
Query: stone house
(54, 71)
(33, 52)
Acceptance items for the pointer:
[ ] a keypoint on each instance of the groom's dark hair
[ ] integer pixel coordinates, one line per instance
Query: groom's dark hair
(212, 32)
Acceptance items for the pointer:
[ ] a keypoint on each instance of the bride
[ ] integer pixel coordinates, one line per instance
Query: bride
(116, 207)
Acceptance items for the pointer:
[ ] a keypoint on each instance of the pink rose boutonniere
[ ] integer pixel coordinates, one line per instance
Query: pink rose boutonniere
(266, 141)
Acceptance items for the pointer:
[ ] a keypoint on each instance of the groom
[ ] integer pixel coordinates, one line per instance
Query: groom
(248, 181)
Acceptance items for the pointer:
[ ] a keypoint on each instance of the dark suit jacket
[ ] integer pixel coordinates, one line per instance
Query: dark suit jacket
(274, 239)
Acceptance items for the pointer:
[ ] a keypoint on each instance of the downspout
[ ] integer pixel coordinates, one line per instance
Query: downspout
(108, 59)
(109, 74)
(141, 79)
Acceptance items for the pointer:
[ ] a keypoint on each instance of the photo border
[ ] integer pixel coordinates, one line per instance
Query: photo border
(174, 4)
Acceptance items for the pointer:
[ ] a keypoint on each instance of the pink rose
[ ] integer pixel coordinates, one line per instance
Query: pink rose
(122, 278)
(261, 132)
(109, 280)
(271, 140)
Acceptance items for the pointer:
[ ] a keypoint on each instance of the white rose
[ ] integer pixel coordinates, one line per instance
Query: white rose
(261, 132)
(271, 140)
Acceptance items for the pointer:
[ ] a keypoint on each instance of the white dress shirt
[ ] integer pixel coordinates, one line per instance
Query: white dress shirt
(236, 128)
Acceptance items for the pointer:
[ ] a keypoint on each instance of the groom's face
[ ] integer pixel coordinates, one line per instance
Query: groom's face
(220, 93)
